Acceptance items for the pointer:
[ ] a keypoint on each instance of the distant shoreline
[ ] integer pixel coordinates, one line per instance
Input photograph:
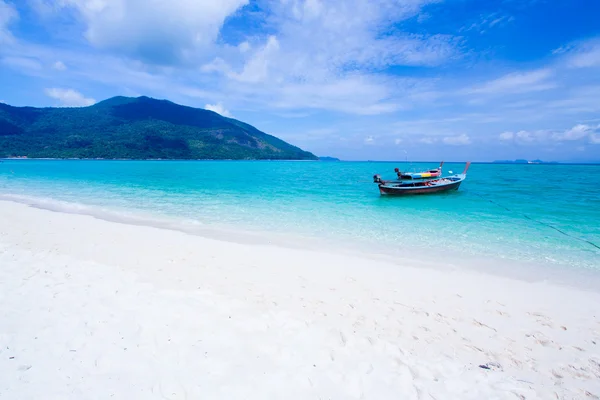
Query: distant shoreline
(283, 160)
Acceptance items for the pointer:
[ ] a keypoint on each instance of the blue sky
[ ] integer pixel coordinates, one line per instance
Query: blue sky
(356, 79)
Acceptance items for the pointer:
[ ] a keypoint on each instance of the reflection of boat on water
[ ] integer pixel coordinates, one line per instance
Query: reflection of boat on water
(422, 185)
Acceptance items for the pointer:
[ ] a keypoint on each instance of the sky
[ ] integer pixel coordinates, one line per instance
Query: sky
(450, 80)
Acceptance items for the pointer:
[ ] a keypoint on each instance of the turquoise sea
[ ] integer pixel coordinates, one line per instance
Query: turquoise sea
(511, 215)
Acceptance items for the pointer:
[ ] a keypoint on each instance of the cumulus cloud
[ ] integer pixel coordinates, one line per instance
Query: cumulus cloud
(579, 132)
(257, 68)
(328, 54)
(219, 109)
(530, 137)
(357, 32)
(69, 97)
(459, 140)
(163, 32)
(575, 133)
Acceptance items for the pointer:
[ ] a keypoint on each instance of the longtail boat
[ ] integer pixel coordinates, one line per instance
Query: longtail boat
(425, 186)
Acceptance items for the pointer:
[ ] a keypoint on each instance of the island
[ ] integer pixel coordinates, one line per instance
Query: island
(135, 128)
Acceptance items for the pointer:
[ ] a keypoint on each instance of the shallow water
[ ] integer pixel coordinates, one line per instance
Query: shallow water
(547, 215)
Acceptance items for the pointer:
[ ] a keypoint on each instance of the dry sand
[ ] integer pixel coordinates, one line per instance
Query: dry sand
(91, 309)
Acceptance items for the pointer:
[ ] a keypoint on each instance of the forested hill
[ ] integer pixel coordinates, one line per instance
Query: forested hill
(135, 128)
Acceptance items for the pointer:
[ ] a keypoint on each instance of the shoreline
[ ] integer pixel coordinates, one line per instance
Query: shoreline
(579, 278)
(91, 306)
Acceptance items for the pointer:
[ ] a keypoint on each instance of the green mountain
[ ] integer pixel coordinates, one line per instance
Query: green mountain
(135, 128)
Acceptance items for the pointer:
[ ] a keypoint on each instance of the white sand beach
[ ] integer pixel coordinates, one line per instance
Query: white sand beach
(91, 309)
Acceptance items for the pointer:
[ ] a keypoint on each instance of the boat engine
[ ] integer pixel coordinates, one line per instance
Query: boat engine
(377, 179)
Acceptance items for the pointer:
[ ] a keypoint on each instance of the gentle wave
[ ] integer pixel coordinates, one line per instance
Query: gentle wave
(437, 258)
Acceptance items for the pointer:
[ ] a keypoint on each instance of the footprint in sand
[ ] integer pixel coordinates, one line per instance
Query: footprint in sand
(542, 319)
(591, 395)
(477, 323)
(595, 367)
(472, 347)
(541, 339)
(557, 375)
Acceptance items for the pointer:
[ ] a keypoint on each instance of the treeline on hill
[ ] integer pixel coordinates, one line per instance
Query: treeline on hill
(135, 128)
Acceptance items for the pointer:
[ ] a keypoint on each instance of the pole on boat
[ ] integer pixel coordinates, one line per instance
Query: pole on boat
(466, 167)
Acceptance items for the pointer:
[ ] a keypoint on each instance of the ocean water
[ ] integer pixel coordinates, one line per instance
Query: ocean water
(543, 215)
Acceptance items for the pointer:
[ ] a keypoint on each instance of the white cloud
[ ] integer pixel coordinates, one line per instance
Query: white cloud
(319, 55)
(488, 21)
(428, 140)
(8, 15)
(584, 54)
(244, 47)
(519, 82)
(530, 137)
(506, 136)
(257, 68)
(22, 63)
(588, 59)
(69, 97)
(217, 65)
(341, 33)
(501, 20)
(59, 66)
(459, 140)
(327, 55)
(577, 133)
(351, 94)
(219, 109)
(398, 141)
(163, 32)
(369, 140)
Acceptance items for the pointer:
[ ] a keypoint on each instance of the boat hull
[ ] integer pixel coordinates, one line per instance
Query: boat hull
(405, 191)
